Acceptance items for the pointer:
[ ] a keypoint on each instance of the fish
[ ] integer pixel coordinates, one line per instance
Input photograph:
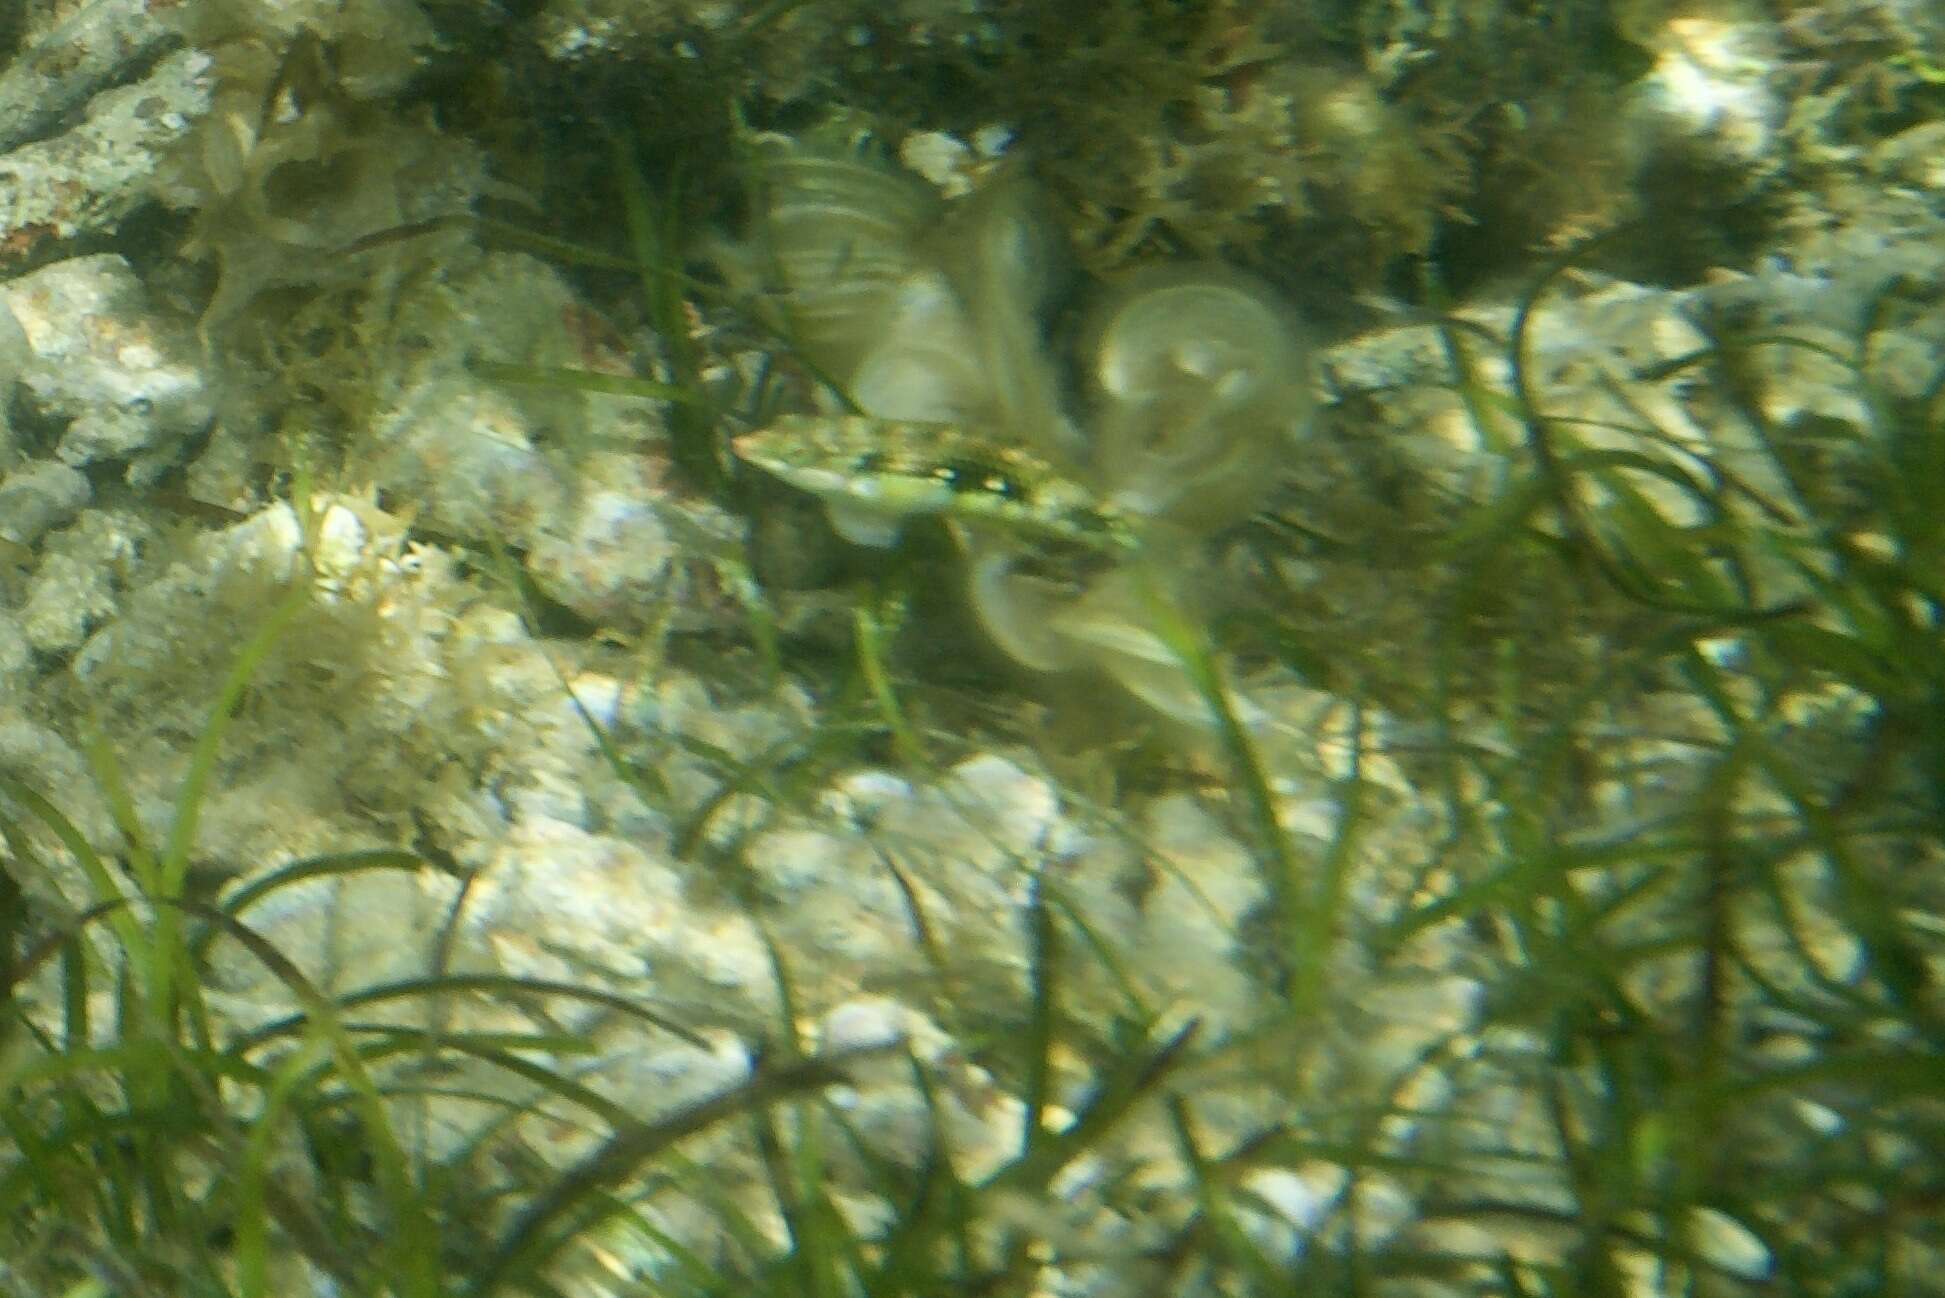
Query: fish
(874, 475)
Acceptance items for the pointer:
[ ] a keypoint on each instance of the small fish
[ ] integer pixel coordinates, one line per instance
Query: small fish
(874, 474)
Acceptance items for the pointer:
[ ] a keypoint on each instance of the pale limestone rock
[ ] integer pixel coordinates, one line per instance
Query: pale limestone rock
(124, 379)
(39, 497)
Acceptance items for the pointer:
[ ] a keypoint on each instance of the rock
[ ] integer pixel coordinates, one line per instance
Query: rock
(123, 379)
(39, 498)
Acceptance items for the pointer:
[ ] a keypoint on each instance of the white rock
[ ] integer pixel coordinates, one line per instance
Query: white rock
(123, 377)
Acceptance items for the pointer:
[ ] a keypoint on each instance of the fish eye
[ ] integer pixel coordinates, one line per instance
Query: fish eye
(971, 475)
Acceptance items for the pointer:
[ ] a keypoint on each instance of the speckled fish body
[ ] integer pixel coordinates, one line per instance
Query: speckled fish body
(873, 474)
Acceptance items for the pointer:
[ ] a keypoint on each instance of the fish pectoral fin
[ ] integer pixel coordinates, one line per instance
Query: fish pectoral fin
(862, 525)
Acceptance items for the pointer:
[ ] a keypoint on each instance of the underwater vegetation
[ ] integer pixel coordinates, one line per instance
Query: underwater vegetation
(591, 770)
(930, 330)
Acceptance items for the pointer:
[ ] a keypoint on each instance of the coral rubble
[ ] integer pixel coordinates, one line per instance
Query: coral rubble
(1545, 896)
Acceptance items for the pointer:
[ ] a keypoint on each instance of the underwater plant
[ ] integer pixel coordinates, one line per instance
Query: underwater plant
(928, 328)
(1557, 914)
